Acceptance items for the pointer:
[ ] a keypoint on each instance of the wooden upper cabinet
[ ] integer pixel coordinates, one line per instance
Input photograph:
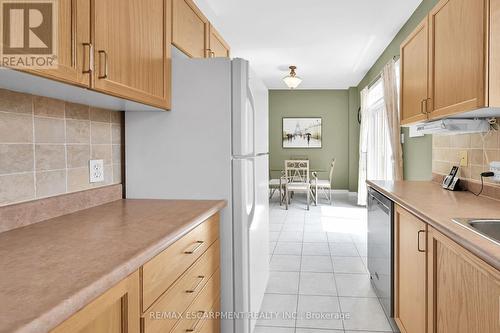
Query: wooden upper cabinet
(217, 45)
(463, 61)
(132, 50)
(410, 272)
(414, 68)
(465, 291)
(494, 54)
(190, 29)
(115, 311)
(73, 44)
(457, 52)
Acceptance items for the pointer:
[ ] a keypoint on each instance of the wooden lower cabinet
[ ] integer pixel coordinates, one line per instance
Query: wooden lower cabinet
(160, 272)
(410, 272)
(199, 311)
(440, 287)
(116, 311)
(183, 292)
(212, 324)
(185, 276)
(463, 292)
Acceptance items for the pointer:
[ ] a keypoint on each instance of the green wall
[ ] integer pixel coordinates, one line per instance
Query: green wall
(417, 152)
(333, 106)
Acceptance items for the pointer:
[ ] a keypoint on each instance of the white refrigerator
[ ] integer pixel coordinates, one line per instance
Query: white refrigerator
(213, 144)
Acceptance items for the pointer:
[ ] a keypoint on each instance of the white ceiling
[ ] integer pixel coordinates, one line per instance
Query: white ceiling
(333, 43)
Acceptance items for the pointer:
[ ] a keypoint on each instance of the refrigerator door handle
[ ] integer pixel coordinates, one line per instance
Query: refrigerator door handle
(254, 119)
(251, 216)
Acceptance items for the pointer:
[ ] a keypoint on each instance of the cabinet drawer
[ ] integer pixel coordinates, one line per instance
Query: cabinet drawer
(212, 324)
(182, 292)
(160, 272)
(198, 313)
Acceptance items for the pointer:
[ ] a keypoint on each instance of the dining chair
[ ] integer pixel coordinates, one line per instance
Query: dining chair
(323, 185)
(277, 185)
(297, 180)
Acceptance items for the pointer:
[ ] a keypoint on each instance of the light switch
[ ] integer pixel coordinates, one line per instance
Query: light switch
(96, 173)
(463, 156)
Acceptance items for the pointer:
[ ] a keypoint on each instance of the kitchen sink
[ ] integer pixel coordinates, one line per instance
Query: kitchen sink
(489, 228)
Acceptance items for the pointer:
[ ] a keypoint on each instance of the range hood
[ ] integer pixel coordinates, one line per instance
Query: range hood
(453, 126)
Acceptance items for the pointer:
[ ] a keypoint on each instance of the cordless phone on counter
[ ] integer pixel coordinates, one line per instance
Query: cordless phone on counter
(451, 181)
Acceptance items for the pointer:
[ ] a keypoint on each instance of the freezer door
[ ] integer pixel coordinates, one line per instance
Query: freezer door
(243, 110)
(260, 95)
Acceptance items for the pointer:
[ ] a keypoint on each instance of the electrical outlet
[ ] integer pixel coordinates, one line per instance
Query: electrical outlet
(463, 156)
(495, 167)
(96, 174)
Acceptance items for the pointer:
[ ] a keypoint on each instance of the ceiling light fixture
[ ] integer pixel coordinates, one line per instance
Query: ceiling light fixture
(292, 80)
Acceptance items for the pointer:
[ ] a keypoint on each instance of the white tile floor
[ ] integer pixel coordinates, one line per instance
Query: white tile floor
(318, 267)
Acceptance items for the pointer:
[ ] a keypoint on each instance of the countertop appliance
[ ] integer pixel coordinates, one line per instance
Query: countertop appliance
(213, 144)
(381, 249)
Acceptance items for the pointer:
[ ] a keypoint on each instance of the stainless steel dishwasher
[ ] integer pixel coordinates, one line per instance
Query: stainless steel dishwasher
(380, 250)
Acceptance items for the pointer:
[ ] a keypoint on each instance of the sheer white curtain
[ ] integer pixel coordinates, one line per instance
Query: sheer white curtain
(376, 153)
(391, 101)
(379, 153)
(362, 193)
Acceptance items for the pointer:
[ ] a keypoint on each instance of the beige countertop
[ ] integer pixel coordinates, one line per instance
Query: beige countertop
(51, 269)
(438, 207)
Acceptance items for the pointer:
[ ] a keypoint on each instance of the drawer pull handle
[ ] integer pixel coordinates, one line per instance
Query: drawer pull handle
(418, 240)
(198, 321)
(201, 278)
(196, 247)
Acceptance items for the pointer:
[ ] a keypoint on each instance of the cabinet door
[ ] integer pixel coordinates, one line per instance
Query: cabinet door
(414, 69)
(217, 46)
(189, 29)
(464, 291)
(116, 311)
(494, 55)
(410, 272)
(74, 44)
(132, 50)
(457, 52)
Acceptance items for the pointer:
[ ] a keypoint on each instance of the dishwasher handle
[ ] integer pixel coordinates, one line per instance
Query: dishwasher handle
(381, 204)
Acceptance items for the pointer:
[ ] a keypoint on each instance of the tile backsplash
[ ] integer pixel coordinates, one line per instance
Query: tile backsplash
(46, 145)
(481, 150)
